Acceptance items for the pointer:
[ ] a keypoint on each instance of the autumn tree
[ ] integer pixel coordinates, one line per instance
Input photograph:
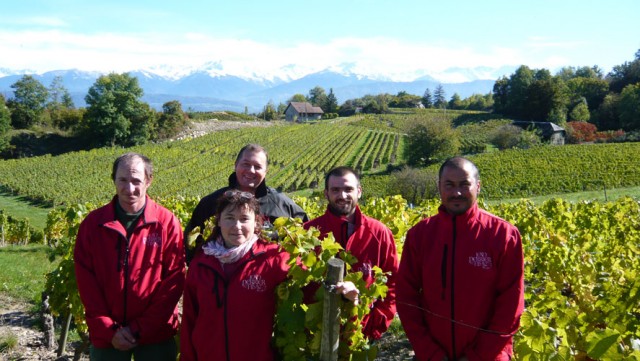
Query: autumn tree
(578, 132)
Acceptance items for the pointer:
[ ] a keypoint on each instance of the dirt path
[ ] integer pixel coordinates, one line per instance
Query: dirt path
(17, 324)
(198, 129)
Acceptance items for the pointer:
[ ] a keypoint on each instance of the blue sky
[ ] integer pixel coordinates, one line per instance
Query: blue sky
(400, 38)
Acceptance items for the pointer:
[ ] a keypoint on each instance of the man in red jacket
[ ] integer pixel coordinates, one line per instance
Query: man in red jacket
(367, 239)
(129, 265)
(460, 284)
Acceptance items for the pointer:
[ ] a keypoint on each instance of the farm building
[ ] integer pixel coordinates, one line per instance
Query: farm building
(297, 111)
(551, 132)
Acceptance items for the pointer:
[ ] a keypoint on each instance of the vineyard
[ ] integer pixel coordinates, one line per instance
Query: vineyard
(299, 155)
(519, 173)
(582, 269)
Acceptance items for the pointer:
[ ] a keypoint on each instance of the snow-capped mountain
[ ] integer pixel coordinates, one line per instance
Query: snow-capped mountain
(213, 87)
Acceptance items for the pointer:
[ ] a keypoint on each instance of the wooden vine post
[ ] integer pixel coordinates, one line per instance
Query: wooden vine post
(331, 312)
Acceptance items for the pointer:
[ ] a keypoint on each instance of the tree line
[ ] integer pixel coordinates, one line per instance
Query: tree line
(379, 104)
(115, 113)
(582, 94)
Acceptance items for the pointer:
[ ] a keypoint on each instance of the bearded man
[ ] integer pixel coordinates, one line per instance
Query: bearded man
(367, 239)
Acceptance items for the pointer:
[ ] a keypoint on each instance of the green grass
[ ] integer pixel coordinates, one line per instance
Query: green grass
(17, 207)
(611, 195)
(8, 342)
(23, 270)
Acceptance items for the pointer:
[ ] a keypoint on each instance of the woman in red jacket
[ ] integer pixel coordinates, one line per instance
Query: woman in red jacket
(229, 298)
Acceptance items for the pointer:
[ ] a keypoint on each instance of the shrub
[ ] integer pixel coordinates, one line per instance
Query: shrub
(579, 132)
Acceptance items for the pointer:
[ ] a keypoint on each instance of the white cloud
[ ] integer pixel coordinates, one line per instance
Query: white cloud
(177, 54)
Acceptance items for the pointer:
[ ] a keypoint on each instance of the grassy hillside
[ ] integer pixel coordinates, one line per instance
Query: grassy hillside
(299, 155)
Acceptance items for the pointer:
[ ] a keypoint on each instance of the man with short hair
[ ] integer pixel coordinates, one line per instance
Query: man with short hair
(461, 278)
(367, 239)
(249, 176)
(129, 265)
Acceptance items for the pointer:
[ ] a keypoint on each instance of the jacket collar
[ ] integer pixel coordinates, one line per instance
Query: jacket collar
(334, 219)
(261, 191)
(148, 216)
(465, 217)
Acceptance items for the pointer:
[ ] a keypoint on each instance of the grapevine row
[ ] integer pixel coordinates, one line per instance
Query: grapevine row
(581, 270)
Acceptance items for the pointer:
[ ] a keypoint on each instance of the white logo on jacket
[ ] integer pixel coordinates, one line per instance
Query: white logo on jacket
(255, 283)
(481, 260)
(153, 240)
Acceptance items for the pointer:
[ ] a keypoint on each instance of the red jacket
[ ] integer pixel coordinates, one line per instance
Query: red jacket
(461, 286)
(231, 317)
(372, 244)
(136, 282)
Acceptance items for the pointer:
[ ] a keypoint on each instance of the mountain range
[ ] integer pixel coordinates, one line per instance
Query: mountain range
(209, 88)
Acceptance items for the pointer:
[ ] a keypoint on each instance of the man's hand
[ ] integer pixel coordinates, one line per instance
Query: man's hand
(348, 290)
(123, 340)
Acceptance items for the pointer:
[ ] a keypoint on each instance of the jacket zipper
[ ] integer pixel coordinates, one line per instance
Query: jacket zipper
(453, 323)
(443, 270)
(126, 281)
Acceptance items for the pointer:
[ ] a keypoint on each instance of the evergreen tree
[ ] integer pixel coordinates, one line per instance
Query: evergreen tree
(439, 97)
(427, 99)
(331, 106)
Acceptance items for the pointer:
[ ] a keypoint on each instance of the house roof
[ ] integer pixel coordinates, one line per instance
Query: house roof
(305, 108)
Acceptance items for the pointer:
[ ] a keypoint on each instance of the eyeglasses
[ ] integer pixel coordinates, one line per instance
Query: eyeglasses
(233, 193)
